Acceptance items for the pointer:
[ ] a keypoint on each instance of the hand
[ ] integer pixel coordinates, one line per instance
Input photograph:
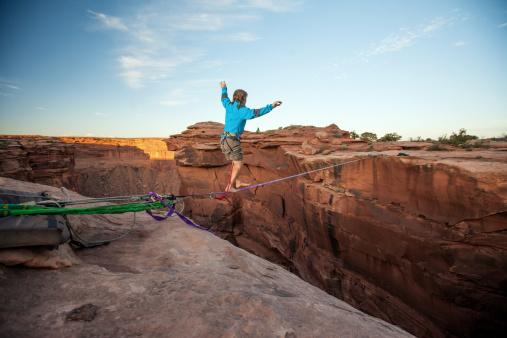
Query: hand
(276, 104)
(222, 84)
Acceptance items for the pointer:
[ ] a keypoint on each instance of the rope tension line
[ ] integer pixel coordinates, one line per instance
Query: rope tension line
(151, 201)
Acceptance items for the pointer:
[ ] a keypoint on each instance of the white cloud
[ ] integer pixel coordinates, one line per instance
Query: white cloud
(460, 43)
(41, 108)
(11, 86)
(436, 24)
(158, 35)
(240, 37)
(137, 70)
(100, 114)
(176, 97)
(267, 5)
(128, 61)
(198, 22)
(342, 76)
(393, 43)
(502, 25)
(404, 38)
(275, 5)
(108, 21)
(133, 78)
(8, 88)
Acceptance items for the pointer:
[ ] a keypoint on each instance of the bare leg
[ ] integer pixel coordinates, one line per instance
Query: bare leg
(236, 167)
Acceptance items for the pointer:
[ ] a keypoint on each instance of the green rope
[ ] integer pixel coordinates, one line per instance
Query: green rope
(25, 209)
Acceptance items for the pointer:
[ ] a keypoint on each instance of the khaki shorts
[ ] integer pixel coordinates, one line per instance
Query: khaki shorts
(231, 147)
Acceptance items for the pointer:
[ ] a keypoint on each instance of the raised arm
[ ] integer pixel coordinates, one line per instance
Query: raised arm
(225, 98)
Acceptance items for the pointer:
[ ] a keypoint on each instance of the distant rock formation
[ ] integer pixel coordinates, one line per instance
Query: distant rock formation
(418, 239)
(92, 166)
(166, 279)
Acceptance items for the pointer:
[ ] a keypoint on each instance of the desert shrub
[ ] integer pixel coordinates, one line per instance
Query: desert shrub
(390, 137)
(443, 139)
(354, 135)
(435, 147)
(481, 144)
(258, 131)
(457, 139)
(503, 137)
(368, 137)
(293, 126)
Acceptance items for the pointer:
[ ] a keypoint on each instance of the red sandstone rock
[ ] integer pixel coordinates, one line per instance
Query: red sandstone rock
(167, 279)
(92, 166)
(419, 240)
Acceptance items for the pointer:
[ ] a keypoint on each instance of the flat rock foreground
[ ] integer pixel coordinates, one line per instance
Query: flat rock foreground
(164, 279)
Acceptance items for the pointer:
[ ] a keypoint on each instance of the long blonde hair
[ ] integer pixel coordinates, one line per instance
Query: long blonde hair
(240, 96)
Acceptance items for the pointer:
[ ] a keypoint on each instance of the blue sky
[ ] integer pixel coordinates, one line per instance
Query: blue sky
(151, 68)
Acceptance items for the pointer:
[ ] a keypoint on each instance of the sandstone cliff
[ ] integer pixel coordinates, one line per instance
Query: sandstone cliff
(92, 166)
(417, 240)
(166, 279)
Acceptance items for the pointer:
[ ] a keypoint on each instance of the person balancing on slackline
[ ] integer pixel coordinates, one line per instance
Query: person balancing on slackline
(236, 114)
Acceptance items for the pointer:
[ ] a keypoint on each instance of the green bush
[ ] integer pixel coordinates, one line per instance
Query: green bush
(368, 137)
(390, 137)
(293, 126)
(354, 135)
(435, 147)
(457, 139)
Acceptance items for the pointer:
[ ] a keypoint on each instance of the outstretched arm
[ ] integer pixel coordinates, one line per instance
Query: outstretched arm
(248, 113)
(225, 97)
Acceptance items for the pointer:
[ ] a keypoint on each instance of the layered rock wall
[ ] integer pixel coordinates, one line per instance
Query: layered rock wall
(418, 240)
(91, 166)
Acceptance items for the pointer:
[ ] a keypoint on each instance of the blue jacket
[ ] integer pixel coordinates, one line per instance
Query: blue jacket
(236, 116)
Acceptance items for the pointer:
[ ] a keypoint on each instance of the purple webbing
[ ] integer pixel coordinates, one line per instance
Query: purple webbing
(171, 210)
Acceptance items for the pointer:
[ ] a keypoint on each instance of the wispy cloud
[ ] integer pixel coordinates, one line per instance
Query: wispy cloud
(109, 21)
(407, 37)
(176, 97)
(460, 43)
(41, 108)
(199, 22)
(239, 37)
(100, 114)
(8, 88)
(138, 70)
(275, 5)
(158, 36)
(267, 5)
(502, 25)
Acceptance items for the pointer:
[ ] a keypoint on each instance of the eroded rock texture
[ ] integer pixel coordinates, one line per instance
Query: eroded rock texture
(92, 166)
(417, 240)
(165, 279)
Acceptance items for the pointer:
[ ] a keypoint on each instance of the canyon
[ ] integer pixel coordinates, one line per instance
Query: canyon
(415, 237)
